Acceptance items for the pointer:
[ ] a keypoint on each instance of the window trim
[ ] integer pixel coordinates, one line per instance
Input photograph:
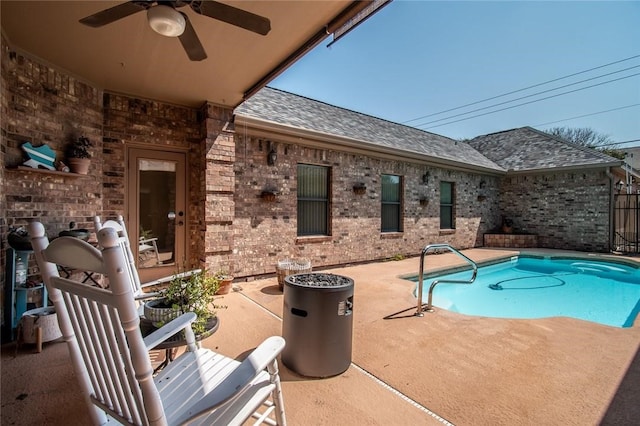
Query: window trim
(452, 205)
(399, 204)
(327, 201)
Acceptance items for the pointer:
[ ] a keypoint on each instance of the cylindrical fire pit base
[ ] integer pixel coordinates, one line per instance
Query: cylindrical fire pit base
(317, 324)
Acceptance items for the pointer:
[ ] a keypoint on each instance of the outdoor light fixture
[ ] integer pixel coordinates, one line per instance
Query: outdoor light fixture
(272, 157)
(425, 178)
(166, 21)
(619, 185)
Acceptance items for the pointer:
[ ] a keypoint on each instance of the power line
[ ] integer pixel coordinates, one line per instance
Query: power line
(521, 90)
(619, 143)
(527, 96)
(585, 115)
(535, 100)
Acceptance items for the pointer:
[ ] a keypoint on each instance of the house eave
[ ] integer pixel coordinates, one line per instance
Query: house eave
(581, 167)
(297, 135)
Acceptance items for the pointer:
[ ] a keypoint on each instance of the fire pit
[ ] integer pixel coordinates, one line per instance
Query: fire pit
(317, 324)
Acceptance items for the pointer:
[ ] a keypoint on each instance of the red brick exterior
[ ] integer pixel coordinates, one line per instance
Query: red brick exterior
(567, 210)
(40, 105)
(266, 232)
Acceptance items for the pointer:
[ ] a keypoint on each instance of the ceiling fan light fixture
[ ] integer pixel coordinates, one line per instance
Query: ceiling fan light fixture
(166, 21)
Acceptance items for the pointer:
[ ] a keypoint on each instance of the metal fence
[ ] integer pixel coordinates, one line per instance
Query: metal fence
(626, 221)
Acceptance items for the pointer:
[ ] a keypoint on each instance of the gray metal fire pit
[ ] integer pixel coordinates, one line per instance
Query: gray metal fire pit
(317, 324)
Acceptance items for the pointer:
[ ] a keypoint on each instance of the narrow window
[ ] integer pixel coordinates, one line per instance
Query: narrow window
(446, 206)
(391, 204)
(313, 200)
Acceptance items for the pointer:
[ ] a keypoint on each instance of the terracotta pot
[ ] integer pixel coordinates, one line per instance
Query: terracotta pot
(226, 284)
(79, 165)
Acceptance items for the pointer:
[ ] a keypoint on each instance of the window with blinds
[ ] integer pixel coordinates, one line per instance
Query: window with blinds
(313, 200)
(391, 204)
(447, 220)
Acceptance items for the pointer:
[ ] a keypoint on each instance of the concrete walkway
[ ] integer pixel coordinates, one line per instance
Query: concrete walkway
(441, 368)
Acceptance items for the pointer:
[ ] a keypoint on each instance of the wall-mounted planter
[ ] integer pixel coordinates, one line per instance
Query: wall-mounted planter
(268, 196)
(359, 188)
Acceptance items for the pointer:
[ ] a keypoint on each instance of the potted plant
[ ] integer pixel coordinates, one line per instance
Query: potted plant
(268, 195)
(225, 280)
(359, 188)
(194, 293)
(78, 155)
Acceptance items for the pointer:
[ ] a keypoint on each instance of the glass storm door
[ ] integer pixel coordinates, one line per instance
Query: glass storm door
(156, 211)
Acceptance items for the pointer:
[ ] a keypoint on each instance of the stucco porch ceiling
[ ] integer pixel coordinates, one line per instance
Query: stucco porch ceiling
(127, 56)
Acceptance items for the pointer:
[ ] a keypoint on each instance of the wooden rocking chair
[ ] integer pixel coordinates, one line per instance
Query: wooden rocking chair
(110, 355)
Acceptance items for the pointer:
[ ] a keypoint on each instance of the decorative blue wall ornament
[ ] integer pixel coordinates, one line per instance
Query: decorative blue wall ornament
(39, 157)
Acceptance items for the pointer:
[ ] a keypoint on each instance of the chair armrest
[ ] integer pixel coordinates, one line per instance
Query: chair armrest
(150, 295)
(146, 240)
(165, 280)
(169, 329)
(237, 380)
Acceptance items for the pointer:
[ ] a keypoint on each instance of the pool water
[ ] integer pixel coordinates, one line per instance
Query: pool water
(527, 287)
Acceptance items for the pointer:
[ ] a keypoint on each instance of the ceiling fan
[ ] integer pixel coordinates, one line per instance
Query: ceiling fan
(165, 19)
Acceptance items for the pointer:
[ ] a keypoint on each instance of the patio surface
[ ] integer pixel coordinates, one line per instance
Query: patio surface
(444, 367)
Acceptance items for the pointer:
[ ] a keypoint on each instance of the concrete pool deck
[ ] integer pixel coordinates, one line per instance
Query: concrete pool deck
(465, 370)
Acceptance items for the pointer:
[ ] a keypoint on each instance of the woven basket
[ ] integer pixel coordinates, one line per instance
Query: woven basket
(289, 267)
(44, 318)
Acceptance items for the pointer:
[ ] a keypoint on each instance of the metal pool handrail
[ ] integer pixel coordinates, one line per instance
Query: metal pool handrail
(419, 311)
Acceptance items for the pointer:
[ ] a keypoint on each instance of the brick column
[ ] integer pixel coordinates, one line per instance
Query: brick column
(217, 187)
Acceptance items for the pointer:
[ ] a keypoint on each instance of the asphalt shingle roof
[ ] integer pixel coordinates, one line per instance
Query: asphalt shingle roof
(298, 112)
(528, 149)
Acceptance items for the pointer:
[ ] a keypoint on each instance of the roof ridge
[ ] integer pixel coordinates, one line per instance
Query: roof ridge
(360, 113)
(499, 132)
(581, 147)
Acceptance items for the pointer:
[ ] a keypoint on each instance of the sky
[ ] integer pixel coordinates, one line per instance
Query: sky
(413, 60)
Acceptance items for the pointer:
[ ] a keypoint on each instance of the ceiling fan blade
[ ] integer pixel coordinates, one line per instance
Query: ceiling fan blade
(114, 13)
(191, 42)
(233, 15)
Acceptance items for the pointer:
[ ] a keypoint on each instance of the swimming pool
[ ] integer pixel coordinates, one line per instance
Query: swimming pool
(532, 287)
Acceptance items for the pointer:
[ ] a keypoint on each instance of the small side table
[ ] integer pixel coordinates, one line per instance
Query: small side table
(176, 340)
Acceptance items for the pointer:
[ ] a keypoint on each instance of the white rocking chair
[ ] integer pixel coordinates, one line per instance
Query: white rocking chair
(139, 288)
(110, 355)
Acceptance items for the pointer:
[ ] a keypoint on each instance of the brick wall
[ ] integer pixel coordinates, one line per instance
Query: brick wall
(217, 189)
(43, 106)
(4, 108)
(568, 210)
(150, 124)
(265, 232)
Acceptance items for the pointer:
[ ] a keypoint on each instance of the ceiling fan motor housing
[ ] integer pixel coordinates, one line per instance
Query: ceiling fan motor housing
(165, 20)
